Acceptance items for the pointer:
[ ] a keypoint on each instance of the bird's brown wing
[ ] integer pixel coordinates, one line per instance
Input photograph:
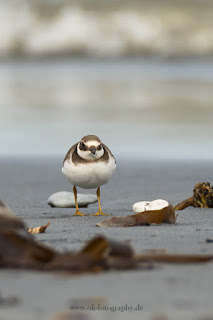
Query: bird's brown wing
(107, 149)
(70, 152)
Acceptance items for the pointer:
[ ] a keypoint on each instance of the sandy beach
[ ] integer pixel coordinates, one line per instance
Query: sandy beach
(139, 75)
(174, 290)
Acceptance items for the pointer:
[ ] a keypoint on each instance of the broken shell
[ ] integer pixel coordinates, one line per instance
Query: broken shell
(150, 205)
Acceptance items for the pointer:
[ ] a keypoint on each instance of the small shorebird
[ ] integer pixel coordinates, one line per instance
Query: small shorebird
(88, 164)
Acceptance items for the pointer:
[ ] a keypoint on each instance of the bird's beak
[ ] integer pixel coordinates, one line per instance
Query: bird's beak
(93, 149)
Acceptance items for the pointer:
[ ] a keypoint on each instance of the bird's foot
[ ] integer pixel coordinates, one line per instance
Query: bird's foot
(100, 213)
(79, 213)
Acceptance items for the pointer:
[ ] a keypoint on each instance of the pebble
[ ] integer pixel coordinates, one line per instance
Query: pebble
(65, 199)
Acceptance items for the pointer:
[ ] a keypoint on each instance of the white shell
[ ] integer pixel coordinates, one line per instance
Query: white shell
(150, 205)
(65, 199)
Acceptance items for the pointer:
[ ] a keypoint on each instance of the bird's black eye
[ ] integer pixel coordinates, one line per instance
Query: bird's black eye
(82, 146)
(99, 147)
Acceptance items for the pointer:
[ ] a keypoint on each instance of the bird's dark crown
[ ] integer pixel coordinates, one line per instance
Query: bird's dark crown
(90, 137)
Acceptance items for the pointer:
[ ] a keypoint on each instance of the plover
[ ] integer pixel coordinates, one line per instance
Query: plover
(88, 164)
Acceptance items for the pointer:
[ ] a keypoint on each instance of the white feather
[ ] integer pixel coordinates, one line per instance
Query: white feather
(90, 175)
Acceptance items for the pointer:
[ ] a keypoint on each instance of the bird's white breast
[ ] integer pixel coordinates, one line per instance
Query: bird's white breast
(89, 175)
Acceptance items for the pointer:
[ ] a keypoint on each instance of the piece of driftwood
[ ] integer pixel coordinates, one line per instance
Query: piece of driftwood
(165, 215)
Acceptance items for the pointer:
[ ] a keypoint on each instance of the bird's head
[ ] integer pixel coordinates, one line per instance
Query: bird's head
(90, 148)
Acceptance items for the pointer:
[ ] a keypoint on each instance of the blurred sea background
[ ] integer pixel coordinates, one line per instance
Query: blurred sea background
(139, 74)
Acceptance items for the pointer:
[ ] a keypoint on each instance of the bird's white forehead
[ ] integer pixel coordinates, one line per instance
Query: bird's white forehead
(92, 143)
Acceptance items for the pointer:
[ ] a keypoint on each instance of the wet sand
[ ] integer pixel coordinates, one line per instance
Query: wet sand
(178, 291)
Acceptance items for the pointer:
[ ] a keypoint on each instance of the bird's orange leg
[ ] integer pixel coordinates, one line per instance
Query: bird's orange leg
(77, 212)
(100, 212)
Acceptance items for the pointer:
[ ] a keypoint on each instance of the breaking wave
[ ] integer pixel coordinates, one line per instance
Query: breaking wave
(160, 28)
